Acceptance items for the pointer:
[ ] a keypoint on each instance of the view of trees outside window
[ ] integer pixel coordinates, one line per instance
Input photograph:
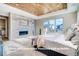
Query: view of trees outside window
(55, 25)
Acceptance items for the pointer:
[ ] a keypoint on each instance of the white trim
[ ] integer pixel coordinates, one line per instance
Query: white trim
(8, 9)
(56, 13)
(3, 13)
(10, 26)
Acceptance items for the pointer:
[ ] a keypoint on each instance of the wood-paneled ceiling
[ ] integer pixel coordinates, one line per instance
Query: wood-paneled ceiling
(39, 8)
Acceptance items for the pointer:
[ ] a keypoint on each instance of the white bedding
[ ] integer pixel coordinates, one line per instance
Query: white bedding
(24, 42)
(60, 38)
(56, 37)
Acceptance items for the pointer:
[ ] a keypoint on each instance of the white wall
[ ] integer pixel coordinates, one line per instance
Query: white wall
(69, 19)
(78, 17)
(18, 23)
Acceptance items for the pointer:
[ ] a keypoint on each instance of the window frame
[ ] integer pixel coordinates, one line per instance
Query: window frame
(55, 24)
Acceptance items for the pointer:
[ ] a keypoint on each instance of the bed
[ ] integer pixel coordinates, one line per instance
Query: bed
(58, 41)
(55, 42)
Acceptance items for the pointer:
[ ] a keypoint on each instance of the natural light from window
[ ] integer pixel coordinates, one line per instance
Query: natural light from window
(54, 25)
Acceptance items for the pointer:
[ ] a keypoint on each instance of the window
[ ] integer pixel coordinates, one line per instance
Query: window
(59, 24)
(55, 25)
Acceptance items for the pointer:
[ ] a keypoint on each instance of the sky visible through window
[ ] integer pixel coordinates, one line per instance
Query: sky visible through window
(54, 24)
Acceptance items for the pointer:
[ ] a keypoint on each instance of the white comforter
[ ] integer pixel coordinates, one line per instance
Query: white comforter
(60, 38)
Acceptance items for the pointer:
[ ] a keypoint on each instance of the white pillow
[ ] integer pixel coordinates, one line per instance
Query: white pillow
(75, 40)
(69, 35)
(77, 33)
(40, 41)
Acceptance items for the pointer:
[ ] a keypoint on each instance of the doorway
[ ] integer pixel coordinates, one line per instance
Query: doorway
(3, 28)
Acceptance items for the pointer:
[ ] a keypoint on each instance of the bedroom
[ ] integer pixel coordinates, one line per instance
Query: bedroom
(25, 26)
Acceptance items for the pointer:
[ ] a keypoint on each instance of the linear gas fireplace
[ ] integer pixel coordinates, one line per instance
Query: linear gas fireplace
(23, 32)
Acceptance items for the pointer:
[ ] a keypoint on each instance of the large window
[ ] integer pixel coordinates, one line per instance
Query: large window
(55, 25)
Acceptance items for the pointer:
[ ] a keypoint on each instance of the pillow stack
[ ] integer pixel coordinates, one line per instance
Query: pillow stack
(73, 35)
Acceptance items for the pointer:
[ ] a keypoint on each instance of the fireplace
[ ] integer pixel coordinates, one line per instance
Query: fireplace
(23, 32)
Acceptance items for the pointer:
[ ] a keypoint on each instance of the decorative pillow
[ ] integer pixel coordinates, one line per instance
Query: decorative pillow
(70, 34)
(77, 33)
(40, 41)
(75, 40)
